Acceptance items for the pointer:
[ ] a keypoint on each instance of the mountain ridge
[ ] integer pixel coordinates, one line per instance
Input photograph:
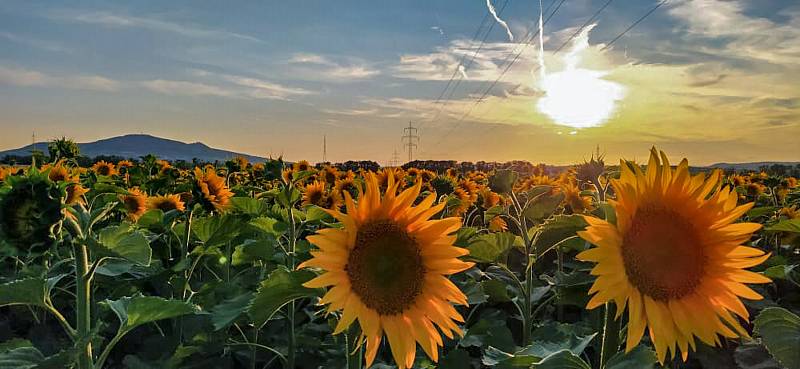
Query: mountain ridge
(134, 146)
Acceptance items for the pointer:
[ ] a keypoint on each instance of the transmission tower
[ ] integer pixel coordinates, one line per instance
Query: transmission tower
(410, 140)
(324, 148)
(395, 159)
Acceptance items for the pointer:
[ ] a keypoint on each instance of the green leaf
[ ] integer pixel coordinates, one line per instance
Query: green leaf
(122, 241)
(228, 311)
(491, 330)
(217, 230)
(752, 355)
(21, 358)
(254, 250)
(496, 290)
(780, 331)
(316, 213)
(488, 248)
(761, 211)
(791, 225)
(543, 206)
(557, 230)
(29, 291)
(269, 225)
(464, 236)
(151, 219)
(250, 206)
(281, 287)
(554, 337)
(563, 359)
(503, 181)
(137, 310)
(641, 357)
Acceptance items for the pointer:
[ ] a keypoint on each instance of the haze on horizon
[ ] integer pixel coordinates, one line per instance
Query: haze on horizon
(711, 80)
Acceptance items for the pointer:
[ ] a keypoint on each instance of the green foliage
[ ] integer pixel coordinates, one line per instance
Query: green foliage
(281, 287)
(780, 330)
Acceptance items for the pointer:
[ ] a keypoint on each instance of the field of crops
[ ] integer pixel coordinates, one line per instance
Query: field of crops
(150, 264)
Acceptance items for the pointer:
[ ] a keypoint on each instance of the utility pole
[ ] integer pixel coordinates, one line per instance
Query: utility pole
(324, 148)
(33, 141)
(410, 140)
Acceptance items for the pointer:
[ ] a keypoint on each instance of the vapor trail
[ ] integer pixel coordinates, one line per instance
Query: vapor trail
(541, 44)
(502, 22)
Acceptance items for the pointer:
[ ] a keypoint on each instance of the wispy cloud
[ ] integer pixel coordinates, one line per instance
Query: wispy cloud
(31, 78)
(186, 88)
(34, 42)
(110, 19)
(323, 68)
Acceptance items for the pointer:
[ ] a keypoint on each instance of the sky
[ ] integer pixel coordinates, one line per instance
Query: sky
(711, 80)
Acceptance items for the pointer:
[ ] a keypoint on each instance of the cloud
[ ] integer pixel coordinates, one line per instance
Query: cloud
(741, 36)
(185, 88)
(31, 78)
(264, 89)
(109, 19)
(319, 67)
(351, 112)
(34, 42)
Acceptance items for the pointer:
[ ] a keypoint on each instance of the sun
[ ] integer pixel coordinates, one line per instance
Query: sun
(578, 97)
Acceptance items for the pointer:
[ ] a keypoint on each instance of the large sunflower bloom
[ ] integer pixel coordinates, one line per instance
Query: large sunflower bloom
(215, 194)
(166, 203)
(135, 203)
(388, 268)
(675, 257)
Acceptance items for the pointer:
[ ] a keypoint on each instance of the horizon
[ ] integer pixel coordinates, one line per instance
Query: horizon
(270, 79)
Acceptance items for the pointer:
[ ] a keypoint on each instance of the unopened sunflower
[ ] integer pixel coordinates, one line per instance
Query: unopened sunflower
(674, 257)
(388, 268)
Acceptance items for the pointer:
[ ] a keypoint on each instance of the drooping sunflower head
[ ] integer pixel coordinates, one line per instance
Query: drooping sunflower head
(674, 257)
(573, 199)
(489, 198)
(387, 267)
(30, 210)
(75, 194)
(211, 190)
(135, 203)
(444, 185)
(166, 203)
(104, 169)
(590, 171)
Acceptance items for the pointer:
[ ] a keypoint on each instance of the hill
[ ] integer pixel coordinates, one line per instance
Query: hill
(136, 145)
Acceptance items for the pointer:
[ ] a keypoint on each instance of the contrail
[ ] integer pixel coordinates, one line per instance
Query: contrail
(462, 71)
(541, 44)
(502, 22)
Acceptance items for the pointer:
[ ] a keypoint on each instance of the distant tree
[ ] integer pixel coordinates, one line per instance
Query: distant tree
(63, 148)
(37, 158)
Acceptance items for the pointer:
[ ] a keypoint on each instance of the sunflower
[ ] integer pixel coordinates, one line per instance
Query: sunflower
(347, 184)
(574, 200)
(287, 175)
(330, 174)
(314, 193)
(388, 268)
(489, 198)
(301, 166)
(166, 203)
(498, 224)
(135, 203)
(212, 192)
(58, 173)
(30, 210)
(389, 174)
(124, 164)
(104, 169)
(675, 257)
(75, 194)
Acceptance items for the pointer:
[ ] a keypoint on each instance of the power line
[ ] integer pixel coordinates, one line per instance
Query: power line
(410, 140)
(634, 24)
(461, 65)
(505, 70)
(395, 159)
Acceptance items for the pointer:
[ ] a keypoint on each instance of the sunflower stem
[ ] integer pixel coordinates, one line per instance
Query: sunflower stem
(354, 351)
(83, 307)
(290, 357)
(611, 329)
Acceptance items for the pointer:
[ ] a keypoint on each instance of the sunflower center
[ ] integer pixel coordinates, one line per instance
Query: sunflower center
(662, 253)
(385, 267)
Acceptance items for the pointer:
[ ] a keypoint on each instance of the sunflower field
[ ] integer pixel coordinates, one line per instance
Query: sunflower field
(148, 264)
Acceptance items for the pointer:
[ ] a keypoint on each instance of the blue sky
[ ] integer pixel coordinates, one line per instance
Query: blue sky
(708, 79)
